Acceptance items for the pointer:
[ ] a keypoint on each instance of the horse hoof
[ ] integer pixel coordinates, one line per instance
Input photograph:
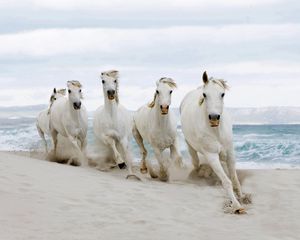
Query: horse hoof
(246, 199)
(240, 211)
(75, 163)
(122, 165)
(164, 178)
(133, 176)
(143, 170)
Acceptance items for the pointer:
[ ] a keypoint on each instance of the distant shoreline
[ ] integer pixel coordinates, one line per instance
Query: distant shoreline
(234, 124)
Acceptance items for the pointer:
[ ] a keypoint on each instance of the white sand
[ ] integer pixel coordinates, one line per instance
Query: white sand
(45, 200)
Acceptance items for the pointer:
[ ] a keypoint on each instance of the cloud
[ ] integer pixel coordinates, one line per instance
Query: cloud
(181, 40)
(134, 5)
(184, 40)
(132, 97)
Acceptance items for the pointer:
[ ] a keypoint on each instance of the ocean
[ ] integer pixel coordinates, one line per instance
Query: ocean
(256, 146)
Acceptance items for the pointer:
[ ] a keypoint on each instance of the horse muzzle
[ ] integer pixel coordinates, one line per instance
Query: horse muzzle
(214, 120)
(214, 123)
(111, 94)
(77, 105)
(164, 109)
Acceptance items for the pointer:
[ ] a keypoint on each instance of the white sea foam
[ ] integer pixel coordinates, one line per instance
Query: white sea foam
(262, 146)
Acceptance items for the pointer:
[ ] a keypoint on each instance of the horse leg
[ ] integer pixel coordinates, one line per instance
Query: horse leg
(124, 149)
(83, 145)
(203, 170)
(139, 140)
(195, 158)
(74, 142)
(175, 156)
(232, 172)
(163, 172)
(112, 143)
(214, 162)
(42, 135)
(83, 149)
(54, 134)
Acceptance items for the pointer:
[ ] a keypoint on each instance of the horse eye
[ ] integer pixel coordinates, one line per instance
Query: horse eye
(79, 90)
(222, 95)
(204, 95)
(157, 92)
(115, 81)
(171, 92)
(103, 81)
(69, 91)
(55, 98)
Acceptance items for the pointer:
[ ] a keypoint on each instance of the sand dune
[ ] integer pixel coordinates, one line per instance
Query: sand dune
(45, 200)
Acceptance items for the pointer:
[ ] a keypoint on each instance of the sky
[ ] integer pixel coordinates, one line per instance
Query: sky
(253, 45)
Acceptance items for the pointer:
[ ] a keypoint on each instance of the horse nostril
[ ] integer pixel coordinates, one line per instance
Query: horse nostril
(160, 106)
(111, 92)
(214, 116)
(77, 105)
(168, 107)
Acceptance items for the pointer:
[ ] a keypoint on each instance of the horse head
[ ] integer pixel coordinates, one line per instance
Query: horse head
(75, 93)
(163, 94)
(110, 84)
(213, 98)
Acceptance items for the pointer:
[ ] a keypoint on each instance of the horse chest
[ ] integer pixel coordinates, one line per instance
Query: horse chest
(210, 142)
(161, 139)
(74, 128)
(115, 125)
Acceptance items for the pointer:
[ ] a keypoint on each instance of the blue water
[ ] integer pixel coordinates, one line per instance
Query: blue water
(255, 145)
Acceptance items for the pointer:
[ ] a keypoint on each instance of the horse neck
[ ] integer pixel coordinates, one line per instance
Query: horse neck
(111, 106)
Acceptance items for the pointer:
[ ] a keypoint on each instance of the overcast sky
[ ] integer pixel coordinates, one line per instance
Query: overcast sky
(254, 45)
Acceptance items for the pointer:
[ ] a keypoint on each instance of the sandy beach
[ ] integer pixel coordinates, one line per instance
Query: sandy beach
(46, 200)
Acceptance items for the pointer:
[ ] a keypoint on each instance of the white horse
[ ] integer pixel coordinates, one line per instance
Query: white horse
(207, 129)
(112, 125)
(68, 117)
(156, 124)
(43, 118)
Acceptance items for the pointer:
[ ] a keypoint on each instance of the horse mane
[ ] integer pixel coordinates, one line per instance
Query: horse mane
(171, 83)
(222, 83)
(61, 91)
(111, 73)
(75, 83)
(152, 104)
(51, 98)
(168, 81)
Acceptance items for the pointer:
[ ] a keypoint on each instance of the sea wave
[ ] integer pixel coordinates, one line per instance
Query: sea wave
(255, 145)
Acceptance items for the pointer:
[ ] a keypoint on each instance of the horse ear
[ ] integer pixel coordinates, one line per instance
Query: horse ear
(54, 90)
(205, 78)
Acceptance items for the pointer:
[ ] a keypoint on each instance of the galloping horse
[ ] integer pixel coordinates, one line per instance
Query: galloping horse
(207, 129)
(112, 125)
(68, 117)
(43, 119)
(156, 124)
